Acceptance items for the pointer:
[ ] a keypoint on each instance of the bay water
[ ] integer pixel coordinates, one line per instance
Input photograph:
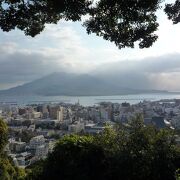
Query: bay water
(87, 100)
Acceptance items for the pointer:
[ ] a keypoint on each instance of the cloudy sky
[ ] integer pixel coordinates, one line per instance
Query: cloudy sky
(67, 48)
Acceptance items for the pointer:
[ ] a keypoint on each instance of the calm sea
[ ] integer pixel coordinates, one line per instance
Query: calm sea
(87, 100)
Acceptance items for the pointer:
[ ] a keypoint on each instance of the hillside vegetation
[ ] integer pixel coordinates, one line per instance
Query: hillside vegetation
(134, 152)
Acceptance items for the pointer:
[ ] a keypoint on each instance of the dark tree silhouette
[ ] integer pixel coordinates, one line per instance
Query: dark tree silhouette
(123, 22)
(173, 11)
(134, 152)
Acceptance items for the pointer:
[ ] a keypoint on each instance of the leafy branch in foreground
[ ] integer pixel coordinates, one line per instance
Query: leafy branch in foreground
(133, 152)
(123, 22)
(7, 169)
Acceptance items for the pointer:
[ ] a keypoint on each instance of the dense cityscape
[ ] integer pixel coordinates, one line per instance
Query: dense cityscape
(34, 129)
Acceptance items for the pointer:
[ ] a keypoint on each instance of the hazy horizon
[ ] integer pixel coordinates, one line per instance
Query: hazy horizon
(109, 79)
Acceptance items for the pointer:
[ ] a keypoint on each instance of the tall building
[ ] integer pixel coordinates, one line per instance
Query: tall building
(53, 112)
(60, 114)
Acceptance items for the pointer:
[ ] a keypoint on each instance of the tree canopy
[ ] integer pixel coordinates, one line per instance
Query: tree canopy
(135, 152)
(173, 11)
(7, 169)
(3, 135)
(123, 22)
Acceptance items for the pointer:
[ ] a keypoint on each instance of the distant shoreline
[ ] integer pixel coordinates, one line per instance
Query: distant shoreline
(88, 100)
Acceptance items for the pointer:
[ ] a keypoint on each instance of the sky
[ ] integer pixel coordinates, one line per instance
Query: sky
(66, 47)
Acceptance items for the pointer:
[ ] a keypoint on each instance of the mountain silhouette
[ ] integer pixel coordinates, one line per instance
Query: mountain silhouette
(72, 85)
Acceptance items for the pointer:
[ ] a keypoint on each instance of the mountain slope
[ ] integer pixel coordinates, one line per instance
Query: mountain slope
(69, 85)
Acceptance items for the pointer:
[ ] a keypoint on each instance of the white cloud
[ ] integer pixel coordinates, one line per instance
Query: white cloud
(63, 47)
(162, 72)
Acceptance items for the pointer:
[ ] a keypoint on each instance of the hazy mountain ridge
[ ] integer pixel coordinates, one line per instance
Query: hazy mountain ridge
(72, 85)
